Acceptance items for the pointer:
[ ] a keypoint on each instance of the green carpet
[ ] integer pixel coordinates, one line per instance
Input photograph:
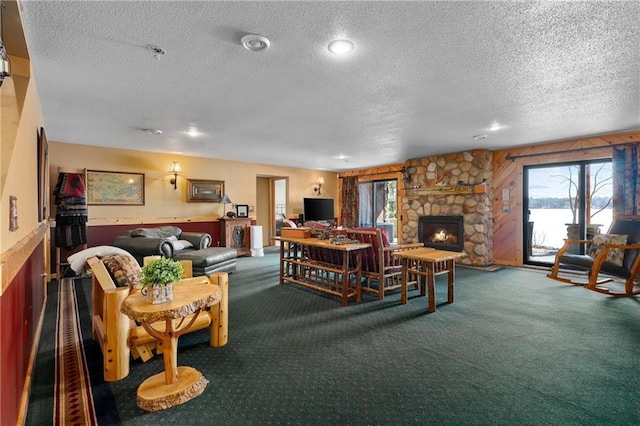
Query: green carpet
(514, 348)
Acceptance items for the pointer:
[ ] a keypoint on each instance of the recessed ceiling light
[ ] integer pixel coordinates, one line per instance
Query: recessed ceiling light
(193, 132)
(340, 47)
(255, 42)
(153, 131)
(480, 137)
(495, 126)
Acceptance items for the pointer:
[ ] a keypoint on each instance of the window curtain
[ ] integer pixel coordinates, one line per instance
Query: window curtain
(350, 202)
(626, 181)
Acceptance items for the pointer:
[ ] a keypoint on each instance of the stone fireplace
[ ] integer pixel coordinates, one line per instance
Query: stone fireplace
(453, 185)
(442, 232)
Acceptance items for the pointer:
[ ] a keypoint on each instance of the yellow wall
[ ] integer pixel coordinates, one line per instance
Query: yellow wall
(162, 201)
(262, 216)
(20, 119)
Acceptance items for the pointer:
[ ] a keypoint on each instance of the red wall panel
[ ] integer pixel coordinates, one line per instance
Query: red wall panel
(20, 308)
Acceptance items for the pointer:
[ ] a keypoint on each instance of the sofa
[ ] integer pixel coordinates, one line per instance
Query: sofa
(170, 241)
(167, 241)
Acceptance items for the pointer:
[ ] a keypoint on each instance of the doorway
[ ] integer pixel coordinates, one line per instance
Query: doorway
(378, 206)
(271, 204)
(567, 200)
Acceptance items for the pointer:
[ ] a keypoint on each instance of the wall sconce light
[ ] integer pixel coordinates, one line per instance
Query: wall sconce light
(320, 182)
(174, 170)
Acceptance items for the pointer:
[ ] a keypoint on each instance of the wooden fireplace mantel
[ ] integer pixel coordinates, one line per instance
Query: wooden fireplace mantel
(447, 190)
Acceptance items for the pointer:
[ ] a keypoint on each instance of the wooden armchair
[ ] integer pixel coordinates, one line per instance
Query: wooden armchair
(378, 264)
(120, 337)
(608, 263)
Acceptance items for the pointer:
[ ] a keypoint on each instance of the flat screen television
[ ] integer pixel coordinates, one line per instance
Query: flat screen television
(319, 209)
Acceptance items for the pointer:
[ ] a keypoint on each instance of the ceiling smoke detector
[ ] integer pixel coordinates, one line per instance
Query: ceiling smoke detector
(157, 52)
(255, 42)
(153, 131)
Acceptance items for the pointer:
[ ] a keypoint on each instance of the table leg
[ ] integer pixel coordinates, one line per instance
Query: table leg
(431, 278)
(170, 353)
(345, 279)
(450, 292)
(422, 277)
(176, 385)
(403, 282)
(282, 243)
(358, 276)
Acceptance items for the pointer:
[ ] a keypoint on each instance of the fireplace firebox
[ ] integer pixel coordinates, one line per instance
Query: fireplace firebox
(442, 232)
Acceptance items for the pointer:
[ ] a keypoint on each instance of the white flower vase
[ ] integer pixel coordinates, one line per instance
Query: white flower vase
(158, 293)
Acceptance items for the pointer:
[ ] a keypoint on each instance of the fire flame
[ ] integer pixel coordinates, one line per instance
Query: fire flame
(443, 237)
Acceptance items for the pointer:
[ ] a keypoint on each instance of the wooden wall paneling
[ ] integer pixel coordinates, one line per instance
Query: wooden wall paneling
(508, 166)
(507, 227)
(21, 306)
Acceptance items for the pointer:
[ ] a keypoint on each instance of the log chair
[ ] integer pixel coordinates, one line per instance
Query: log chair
(120, 338)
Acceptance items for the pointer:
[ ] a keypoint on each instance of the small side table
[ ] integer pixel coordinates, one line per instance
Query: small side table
(177, 384)
(427, 263)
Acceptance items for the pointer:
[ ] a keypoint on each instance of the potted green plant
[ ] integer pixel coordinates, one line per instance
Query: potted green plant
(158, 277)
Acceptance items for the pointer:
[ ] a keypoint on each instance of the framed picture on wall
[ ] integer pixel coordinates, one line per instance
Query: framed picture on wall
(204, 191)
(115, 188)
(242, 210)
(43, 175)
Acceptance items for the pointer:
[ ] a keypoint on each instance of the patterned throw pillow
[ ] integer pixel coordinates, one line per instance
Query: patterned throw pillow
(615, 255)
(124, 270)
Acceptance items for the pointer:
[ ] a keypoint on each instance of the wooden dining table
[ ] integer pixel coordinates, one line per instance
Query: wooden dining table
(296, 267)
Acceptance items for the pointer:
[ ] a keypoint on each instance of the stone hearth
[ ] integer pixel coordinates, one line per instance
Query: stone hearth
(450, 175)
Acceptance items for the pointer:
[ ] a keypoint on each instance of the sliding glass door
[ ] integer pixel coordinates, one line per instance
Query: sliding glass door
(378, 201)
(568, 200)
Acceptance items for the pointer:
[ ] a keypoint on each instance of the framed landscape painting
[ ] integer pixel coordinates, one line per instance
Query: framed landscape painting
(115, 188)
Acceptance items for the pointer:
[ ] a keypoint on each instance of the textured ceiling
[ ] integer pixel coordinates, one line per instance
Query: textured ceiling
(424, 78)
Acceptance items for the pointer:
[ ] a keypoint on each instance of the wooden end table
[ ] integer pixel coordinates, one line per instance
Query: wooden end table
(427, 263)
(166, 322)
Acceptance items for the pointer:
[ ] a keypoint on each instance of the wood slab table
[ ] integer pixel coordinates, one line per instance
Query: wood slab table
(177, 384)
(427, 263)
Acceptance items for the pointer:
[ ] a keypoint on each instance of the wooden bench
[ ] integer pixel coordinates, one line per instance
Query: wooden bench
(120, 338)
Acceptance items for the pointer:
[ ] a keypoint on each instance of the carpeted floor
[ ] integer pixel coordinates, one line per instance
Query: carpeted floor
(514, 348)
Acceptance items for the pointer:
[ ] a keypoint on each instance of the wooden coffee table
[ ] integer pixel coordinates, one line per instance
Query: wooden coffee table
(427, 263)
(175, 385)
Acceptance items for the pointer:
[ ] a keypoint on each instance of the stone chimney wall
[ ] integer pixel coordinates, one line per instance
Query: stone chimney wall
(444, 186)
